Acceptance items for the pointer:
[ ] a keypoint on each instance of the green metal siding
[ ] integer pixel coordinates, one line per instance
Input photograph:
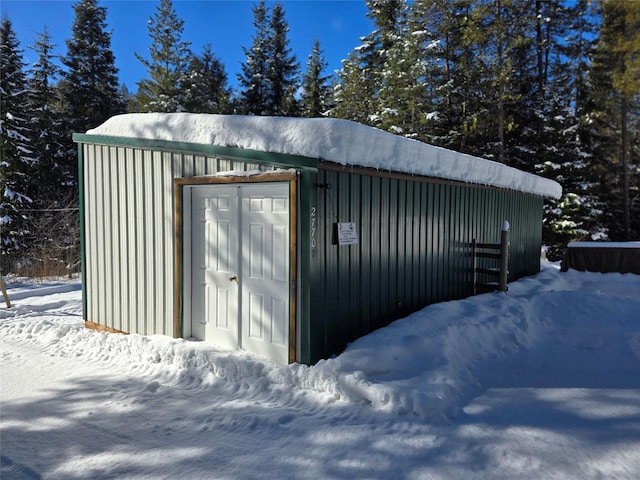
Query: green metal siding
(414, 249)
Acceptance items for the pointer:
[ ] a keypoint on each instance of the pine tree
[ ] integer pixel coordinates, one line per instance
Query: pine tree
(55, 220)
(563, 158)
(269, 76)
(50, 177)
(400, 84)
(206, 85)
(498, 32)
(254, 76)
(626, 82)
(362, 74)
(558, 137)
(407, 92)
(354, 94)
(15, 153)
(388, 18)
(443, 67)
(315, 100)
(614, 109)
(168, 66)
(90, 84)
(283, 68)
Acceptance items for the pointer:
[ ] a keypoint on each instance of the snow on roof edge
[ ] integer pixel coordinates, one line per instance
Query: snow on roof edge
(330, 139)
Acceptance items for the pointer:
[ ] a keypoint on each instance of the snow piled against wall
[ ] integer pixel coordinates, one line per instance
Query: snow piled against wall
(334, 140)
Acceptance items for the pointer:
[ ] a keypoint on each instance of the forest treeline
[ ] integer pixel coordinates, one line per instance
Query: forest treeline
(551, 87)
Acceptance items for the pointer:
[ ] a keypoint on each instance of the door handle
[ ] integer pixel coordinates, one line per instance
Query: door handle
(234, 279)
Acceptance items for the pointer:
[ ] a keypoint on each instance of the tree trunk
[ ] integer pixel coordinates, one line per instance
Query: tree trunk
(501, 87)
(624, 160)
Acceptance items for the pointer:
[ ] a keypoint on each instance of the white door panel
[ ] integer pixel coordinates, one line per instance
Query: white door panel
(265, 290)
(240, 258)
(215, 251)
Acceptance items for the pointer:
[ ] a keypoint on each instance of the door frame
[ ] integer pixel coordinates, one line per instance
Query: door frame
(182, 258)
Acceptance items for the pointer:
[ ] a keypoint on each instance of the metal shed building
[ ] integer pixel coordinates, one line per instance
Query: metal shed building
(285, 237)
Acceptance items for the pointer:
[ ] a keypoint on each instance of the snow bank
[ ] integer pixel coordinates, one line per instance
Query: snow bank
(424, 365)
(545, 381)
(334, 140)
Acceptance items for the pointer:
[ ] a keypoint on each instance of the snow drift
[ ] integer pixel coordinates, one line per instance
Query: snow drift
(542, 382)
(422, 365)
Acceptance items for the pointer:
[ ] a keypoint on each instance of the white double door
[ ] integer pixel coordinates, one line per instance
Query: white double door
(240, 267)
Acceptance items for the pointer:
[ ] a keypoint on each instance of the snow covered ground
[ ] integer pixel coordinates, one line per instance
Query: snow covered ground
(543, 382)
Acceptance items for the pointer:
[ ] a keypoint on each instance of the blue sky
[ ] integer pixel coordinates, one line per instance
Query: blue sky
(226, 25)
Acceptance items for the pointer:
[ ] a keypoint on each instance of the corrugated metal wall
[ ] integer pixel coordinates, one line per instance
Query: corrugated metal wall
(414, 249)
(130, 232)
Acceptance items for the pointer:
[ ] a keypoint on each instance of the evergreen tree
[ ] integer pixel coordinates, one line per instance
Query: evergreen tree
(15, 153)
(206, 86)
(388, 17)
(400, 85)
(499, 34)
(446, 71)
(90, 90)
(505, 79)
(50, 176)
(315, 100)
(89, 87)
(283, 68)
(626, 82)
(127, 97)
(614, 109)
(409, 91)
(269, 77)
(354, 94)
(362, 73)
(558, 139)
(254, 93)
(55, 219)
(168, 66)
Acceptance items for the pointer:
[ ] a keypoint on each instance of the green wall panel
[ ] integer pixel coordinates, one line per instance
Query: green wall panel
(414, 249)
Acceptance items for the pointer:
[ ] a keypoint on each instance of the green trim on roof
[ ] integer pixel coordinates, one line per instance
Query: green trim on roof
(280, 160)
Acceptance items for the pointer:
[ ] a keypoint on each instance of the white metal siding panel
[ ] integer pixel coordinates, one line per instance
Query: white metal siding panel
(137, 212)
(129, 233)
(148, 227)
(95, 267)
(108, 247)
(119, 231)
(129, 239)
(113, 239)
(200, 164)
(101, 213)
(91, 229)
(223, 165)
(167, 218)
(112, 250)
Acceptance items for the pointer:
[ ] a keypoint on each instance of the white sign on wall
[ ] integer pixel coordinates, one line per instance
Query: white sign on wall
(347, 233)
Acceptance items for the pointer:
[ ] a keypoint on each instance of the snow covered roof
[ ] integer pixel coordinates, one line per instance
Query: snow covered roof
(329, 139)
